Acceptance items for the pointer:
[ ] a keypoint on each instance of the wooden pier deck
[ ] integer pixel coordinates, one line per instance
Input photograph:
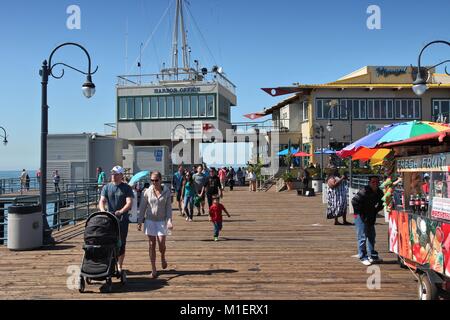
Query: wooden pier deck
(275, 246)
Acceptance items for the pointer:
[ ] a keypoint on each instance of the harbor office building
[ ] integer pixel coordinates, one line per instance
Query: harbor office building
(375, 95)
(162, 113)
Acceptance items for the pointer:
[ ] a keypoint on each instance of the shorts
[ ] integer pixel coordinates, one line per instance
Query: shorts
(155, 228)
(124, 223)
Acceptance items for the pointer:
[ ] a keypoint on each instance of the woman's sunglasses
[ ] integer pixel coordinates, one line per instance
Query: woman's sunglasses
(157, 180)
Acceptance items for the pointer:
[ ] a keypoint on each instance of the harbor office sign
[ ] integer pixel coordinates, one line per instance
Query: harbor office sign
(185, 90)
(432, 162)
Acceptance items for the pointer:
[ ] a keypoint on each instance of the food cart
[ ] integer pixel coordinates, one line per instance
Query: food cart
(419, 218)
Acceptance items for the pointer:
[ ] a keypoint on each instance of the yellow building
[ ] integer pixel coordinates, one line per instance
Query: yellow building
(375, 96)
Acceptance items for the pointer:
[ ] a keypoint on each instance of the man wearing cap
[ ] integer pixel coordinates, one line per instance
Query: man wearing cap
(118, 196)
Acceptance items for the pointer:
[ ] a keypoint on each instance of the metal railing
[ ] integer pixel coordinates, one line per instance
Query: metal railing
(167, 78)
(63, 208)
(277, 125)
(16, 186)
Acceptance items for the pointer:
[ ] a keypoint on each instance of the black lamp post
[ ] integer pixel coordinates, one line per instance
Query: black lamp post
(5, 140)
(88, 89)
(335, 103)
(420, 84)
(320, 130)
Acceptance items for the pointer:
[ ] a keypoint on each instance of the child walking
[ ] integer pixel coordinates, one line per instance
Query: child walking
(215, 215)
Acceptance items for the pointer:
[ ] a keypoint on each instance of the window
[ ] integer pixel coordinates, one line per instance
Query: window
(138, 108)
(210, 106)
(178, 107)
(202, 105)
(362, 109)
(146, 108)
(319, 109)
(130, 108)
(305, 110)
(345, 106)
(186, 107)
(154, 108)
(325, 111)
(122, 109)
(162, 107)
(390, 109)
(169, 107)
(370, 109)
(194, 106)
(441, 110)
(407, 109)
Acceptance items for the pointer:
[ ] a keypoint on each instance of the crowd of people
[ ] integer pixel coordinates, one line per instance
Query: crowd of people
(198, 191)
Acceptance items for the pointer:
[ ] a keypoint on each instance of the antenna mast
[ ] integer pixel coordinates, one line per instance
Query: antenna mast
(179, 24)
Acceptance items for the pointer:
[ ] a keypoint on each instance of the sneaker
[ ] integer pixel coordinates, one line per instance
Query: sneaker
(375, 259)
(190, 220)
(366, 262)
(187, 219)
(216, 238)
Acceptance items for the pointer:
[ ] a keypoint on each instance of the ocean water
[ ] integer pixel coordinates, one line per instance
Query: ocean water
(15, 174)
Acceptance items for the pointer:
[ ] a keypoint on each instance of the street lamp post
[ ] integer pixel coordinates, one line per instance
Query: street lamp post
(5, 140)
(88, 89)
(420, 84)
(330, 128)
(320, 130)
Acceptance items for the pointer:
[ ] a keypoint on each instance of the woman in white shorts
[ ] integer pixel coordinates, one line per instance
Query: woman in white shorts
(156, 210)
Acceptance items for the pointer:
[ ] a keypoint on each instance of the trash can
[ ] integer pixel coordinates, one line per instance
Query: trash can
(317, 185)
(25, 227)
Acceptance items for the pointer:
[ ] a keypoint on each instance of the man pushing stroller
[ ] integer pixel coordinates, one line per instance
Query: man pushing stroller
(118, 196)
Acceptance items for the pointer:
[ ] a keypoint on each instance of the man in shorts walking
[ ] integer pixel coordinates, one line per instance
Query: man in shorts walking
(118, 197)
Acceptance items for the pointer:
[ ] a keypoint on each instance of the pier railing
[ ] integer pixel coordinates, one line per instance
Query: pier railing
(16, 186)
(64, 208)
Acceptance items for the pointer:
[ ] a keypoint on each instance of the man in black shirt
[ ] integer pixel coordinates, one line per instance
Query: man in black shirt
(213, 186)
(366, 204)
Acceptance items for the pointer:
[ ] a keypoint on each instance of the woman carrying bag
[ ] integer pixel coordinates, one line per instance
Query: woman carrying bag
(156, 209)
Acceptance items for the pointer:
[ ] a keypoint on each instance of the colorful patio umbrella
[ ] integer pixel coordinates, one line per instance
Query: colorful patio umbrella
(395, 132)
(138, 176)
(325, 151)
(376, 156)
(301, 154)
(286, 151)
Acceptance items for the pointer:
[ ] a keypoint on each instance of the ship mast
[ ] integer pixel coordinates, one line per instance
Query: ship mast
(179, 26)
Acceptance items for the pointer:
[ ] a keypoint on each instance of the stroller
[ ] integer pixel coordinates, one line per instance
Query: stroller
(101, 248)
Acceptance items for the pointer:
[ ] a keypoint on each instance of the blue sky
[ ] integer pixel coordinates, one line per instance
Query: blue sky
(258, 43)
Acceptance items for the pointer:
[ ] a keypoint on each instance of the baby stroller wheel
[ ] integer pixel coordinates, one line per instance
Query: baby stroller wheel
(109, 285)
(123, 277)
(82, 285)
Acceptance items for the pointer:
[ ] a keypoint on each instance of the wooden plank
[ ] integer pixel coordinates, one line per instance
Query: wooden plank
(275, 246)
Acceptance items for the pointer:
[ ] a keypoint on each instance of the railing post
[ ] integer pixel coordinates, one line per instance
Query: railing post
(57, 217)
(88, 201)
(2, 220)
(74, 205)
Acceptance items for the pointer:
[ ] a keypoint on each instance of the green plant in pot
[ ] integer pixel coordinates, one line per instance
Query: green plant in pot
(289, 179)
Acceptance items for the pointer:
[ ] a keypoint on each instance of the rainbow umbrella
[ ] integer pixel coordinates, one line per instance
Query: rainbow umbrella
(376, 156)
(395, 132)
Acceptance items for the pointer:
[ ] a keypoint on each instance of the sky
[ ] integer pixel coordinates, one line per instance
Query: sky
(258, 44)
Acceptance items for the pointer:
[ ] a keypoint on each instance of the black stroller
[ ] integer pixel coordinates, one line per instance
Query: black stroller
(101, 247)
